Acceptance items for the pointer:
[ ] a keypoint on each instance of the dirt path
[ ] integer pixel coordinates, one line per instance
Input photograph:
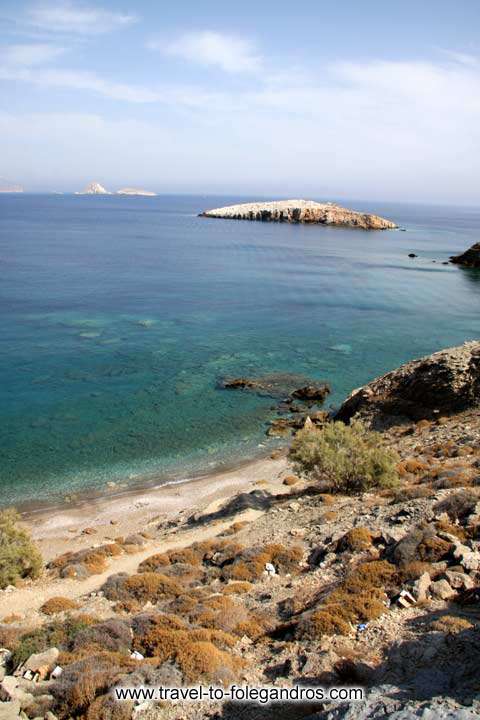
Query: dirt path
(29, 599)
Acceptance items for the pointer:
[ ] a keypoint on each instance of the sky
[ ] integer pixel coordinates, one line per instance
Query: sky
(353, 98)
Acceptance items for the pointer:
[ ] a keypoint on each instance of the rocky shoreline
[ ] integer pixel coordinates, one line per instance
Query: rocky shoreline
(301, 211)
(282, 583)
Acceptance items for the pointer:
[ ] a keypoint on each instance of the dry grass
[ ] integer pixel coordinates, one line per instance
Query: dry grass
(57, 605)
(451, 625)
(237, 588)
(357, 539)
(250, 566)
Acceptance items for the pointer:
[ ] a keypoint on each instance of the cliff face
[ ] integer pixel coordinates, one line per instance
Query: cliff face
(301, 211)
(470, 258)
(445, 382)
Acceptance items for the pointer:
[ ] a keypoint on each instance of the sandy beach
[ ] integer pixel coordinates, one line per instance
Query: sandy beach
(152, 511)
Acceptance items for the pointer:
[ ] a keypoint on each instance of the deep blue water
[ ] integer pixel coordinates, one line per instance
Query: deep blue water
(118, 315)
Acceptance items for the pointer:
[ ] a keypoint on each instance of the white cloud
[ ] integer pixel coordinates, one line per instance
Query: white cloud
(28, 55)
(67, 17)
(404, 130)
(229, 53)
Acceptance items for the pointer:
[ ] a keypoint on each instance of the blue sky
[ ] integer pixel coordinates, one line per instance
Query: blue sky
(359, 99)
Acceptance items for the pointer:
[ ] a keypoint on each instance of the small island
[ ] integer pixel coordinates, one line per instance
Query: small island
(135, 191)
(301, 211)
(9, 187)
(94, 188)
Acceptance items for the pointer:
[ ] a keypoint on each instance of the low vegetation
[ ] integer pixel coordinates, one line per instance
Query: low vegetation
(349, 458)
(19, 556)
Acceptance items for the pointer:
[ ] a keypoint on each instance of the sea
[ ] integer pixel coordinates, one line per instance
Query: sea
(120, 316)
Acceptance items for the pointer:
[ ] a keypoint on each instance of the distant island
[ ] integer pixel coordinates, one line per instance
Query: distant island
(8, 187)
(135, 191)
(301, 211)
(95, 188)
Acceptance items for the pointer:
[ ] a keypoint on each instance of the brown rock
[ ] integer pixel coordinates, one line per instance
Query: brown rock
(470, 258)
(447, 381)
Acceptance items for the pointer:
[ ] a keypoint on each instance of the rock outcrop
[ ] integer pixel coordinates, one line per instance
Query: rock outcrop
(301, 211)
(94, 188)
(443, 383)
(135, 191)
(470, 258)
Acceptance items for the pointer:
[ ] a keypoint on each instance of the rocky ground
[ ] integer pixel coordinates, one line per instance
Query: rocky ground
(285, 585)
(301, 211)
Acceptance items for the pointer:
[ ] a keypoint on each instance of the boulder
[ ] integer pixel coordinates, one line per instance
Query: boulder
(445, 382)
(459, 580)
(470, 258)
(311, 394)
(420, 587)
(42, 663)
(441, 590)
(9, 710)
(14, 689)
(469, 559)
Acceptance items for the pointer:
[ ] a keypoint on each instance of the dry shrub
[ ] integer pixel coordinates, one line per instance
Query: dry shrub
(151, 586)
(451, 625)
(237, 588)
(413, 570)
(187, 555)
(127, 607)
(350, 458)
(113, 635)
(411, 492)
(356, 540)
(186, 574)
(236, 527)
(141, 587)
(19, 556)
(327, 499)
(221, 613)
(9, 637)
(322, 622)
(291, 480)
(359, 598)
(83, 681)
(458, 506)
(91, 561)
(57, 605)
(329, 516)
(154, 562)
(199, 652)
(183, 604)
(250, 565)
(53, 634)
(112, 549)
(433, 549)
(412, 466)
(12, 618)
(204, 660)
(105, 707)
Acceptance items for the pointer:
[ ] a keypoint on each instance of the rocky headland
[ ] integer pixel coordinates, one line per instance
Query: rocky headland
(470, 258)
(301, 211)
(286, 581)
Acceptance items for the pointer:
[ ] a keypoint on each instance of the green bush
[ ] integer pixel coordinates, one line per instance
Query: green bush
(349, 457)
(19, 556)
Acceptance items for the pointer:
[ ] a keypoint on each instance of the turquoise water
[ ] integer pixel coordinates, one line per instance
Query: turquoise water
(119, 315)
